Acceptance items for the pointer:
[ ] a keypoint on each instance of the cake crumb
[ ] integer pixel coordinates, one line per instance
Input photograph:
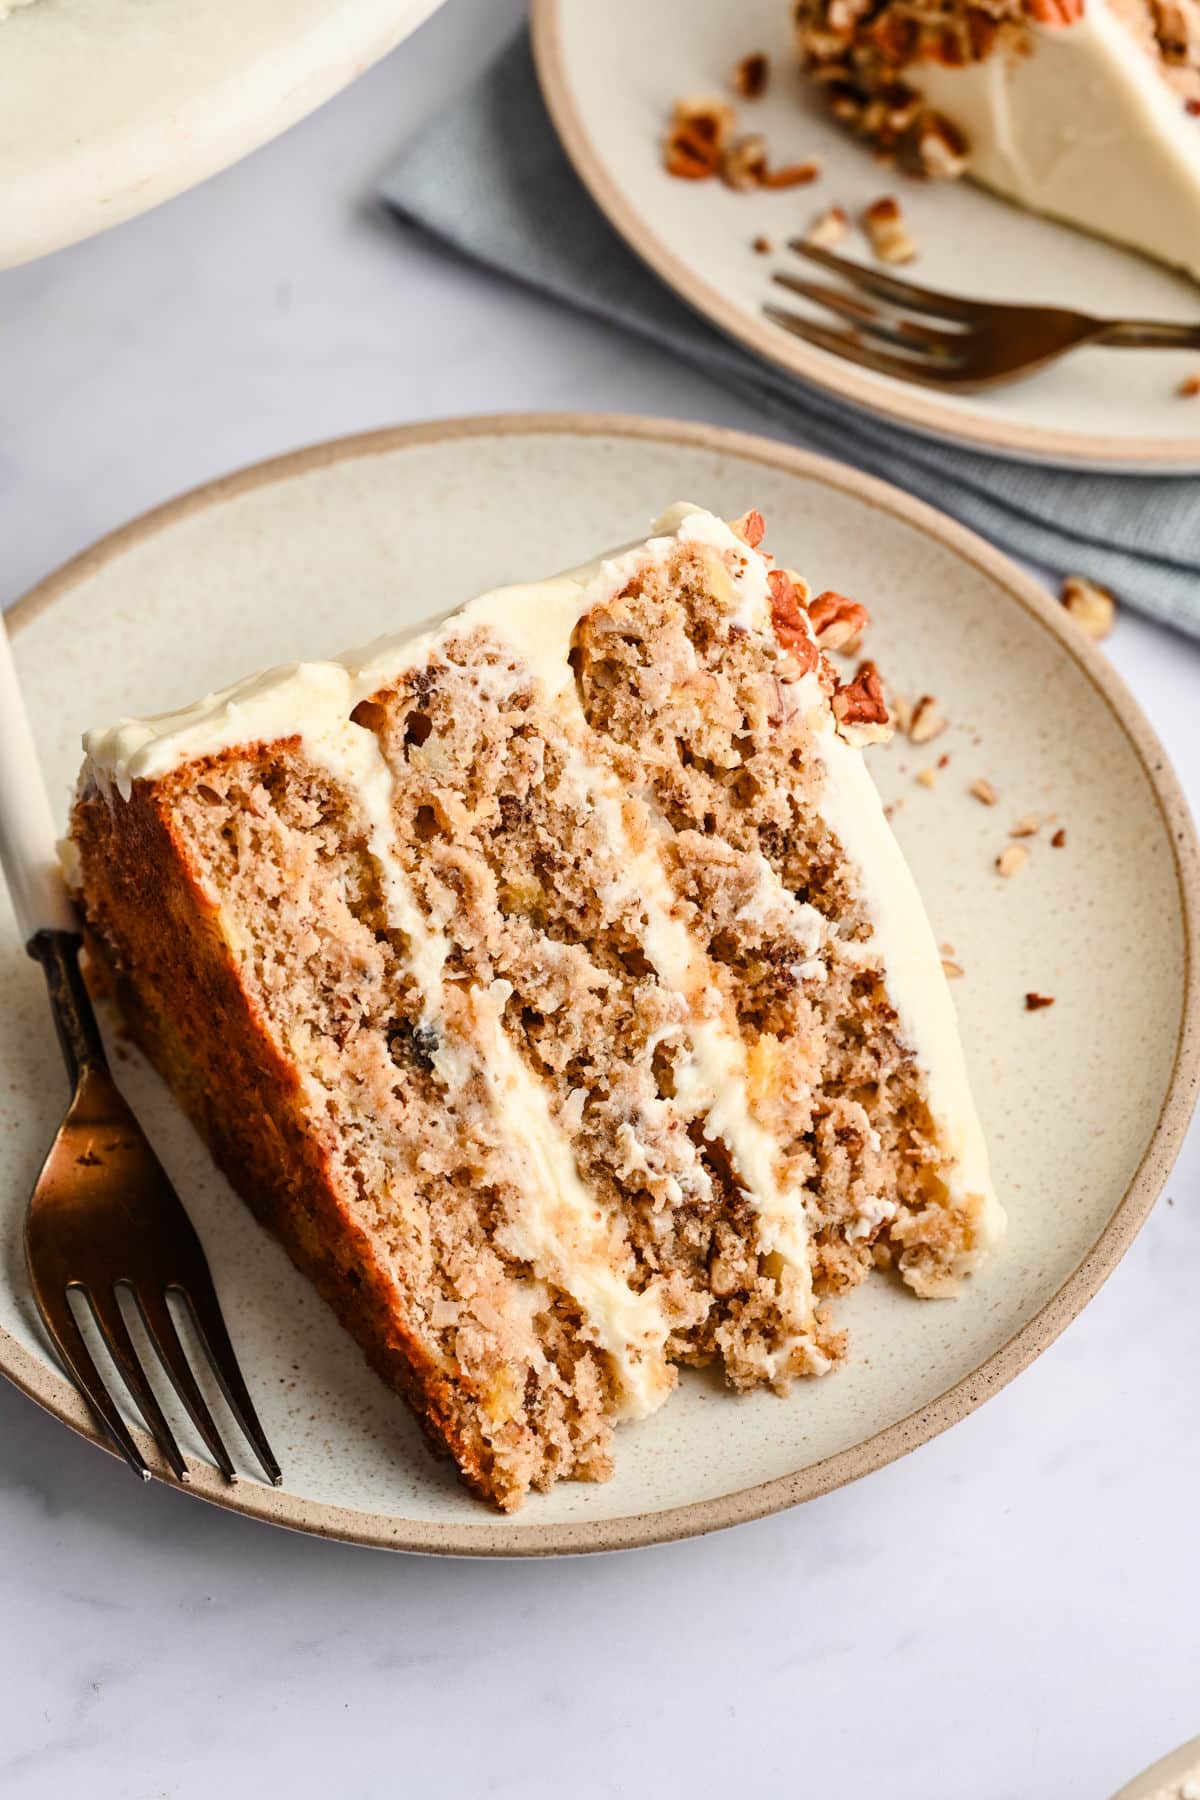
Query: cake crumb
(928, 721)
(952, 970)
(927, 777)
(751, 75)
(762, 246)
(984, 791)
(1188, 389)
(887, 232)
(1059, 839)
(1012, 859)
(1029, 826)
(1035, 1002)
(1091, 606)
(828, 228)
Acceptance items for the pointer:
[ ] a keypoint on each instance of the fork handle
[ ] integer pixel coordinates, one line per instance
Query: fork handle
(1151, 334)
(27, 840)
(74, 1018)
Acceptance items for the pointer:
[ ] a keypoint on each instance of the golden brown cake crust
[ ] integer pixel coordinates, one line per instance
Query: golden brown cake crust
(147, 910)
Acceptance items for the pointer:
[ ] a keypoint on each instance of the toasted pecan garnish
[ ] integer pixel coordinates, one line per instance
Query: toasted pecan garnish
(859, 707)
(792, 175)
(1055, 12)
(889, 236)
(750, 528)
(751, 75)
(829, 227)
(1091, 606)
(790, 619)
(699, 133)
(838, 623)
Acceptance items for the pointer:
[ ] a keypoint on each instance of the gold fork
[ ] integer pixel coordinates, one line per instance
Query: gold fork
(103, 1218)
(977, 344)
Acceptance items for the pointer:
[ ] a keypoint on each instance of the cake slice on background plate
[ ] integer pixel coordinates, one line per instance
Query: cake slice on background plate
(552, 984)
(1088, 110)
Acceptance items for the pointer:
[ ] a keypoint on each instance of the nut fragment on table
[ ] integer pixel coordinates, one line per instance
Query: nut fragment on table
(1189, 387)
(1029, 826)
(1012, 859)
(887, 232)
(1035, 1002)
(1091, 606)
(1059, 839)
(952, 970)
(984, 791)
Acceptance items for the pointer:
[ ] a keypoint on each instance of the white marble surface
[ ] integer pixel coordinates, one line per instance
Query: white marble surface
(1013, 1613)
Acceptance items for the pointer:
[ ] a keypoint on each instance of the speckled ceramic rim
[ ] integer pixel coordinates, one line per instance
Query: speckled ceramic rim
(502, 1537)
(912, 406)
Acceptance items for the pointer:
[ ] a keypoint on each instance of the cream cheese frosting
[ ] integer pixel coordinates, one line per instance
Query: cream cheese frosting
(1079, 123)
(559, 1230)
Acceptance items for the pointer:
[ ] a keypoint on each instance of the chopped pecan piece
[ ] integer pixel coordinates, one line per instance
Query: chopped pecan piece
(1189, 387)
(941, 148)
(1055, 12)
(1029, 826)
(751, 75)
(790, 619)
(750, 528)
(928, 720)
(1091, 606)
(984, 791)
(859, 706)
(829, 227)
(793, 174)
(889, 235)
(699, 133)
(1011, 860)
(1035, 1002)
(744, 163)
(1058, 841)
(838, 623)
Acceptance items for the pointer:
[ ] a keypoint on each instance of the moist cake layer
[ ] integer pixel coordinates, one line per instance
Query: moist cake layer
(553, 985)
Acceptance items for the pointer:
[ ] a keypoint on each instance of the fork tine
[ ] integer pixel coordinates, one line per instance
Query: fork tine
(156, 1316)
(106, 1310)
(939, 373)
(201, 1297)
(904, 333)
(60, 1322)
(889, 287)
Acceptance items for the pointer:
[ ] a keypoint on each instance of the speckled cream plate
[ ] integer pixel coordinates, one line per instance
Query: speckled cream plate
(1175, 1777)
(1084, 1103)
(611, 74)
(109, 106)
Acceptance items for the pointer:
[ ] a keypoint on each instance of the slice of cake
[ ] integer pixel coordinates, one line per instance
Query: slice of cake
(1085, 109)
(552, 984)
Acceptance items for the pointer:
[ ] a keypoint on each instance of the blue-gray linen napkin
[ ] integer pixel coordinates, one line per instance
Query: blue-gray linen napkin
(489, 178)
